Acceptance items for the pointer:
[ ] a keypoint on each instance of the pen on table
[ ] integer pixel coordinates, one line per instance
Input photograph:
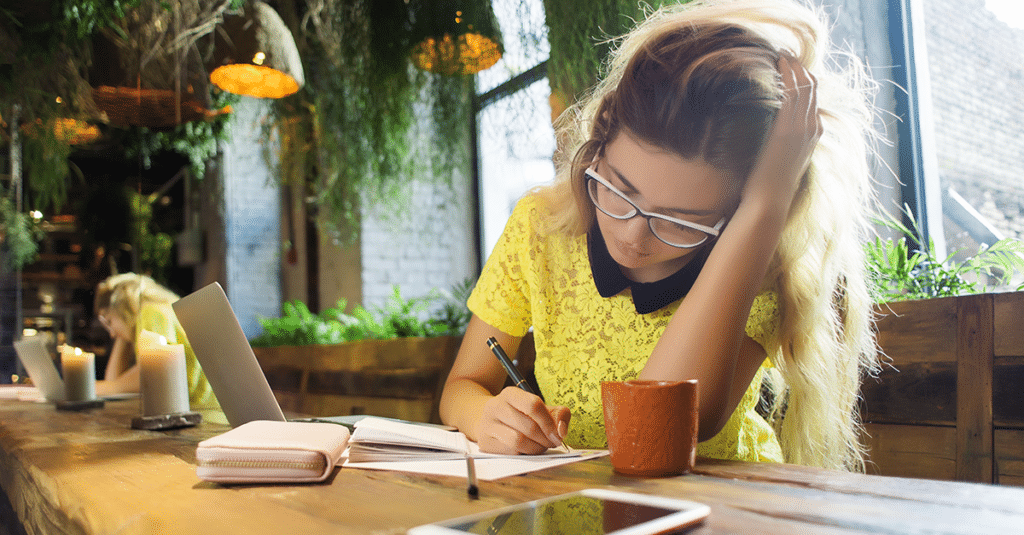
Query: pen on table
(473, 490)
(513, 372)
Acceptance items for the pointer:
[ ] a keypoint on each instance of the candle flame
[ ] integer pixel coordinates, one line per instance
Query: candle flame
(163, 340)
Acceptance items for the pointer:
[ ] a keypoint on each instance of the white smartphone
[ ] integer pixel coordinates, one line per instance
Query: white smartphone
(591, 511)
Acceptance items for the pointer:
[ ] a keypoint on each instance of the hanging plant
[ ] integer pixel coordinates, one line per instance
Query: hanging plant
(19, 235)
(197, 141)
(352, 134)
(44, 75)
(154, 247)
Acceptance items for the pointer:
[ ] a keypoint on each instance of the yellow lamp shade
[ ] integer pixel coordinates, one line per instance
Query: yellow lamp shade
(455, 37)
(255, 55)
(253, 80)
(466, 54)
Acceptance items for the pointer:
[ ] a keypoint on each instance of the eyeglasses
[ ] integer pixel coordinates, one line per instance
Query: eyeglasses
(675, 232)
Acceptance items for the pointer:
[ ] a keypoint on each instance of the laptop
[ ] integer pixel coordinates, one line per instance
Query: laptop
(39, 364)
(226, 357)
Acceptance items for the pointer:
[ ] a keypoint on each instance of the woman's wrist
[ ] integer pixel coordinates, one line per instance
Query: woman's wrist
(759, 215)
(462, 405)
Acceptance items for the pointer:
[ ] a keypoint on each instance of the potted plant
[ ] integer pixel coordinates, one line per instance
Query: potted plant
(389, 361)
(947, 405)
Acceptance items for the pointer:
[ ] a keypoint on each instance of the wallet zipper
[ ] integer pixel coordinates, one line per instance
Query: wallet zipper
(291, 465)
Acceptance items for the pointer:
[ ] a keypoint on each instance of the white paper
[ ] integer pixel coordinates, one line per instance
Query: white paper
(487, 469)
(21, 393)
(388, 441)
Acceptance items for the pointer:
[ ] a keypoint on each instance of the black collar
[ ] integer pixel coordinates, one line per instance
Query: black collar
(647, 296)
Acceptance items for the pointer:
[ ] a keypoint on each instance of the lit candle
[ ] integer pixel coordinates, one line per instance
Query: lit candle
(162, 378)
(79, 369)
(149, 338)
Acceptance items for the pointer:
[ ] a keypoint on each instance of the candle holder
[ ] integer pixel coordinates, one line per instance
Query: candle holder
(167, 421)
(66, 405)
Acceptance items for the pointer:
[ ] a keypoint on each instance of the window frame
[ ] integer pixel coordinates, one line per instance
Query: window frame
(917, 161)
(514, 84)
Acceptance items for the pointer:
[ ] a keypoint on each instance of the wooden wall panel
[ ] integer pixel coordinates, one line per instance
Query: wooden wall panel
(400, 378)
(914, 393)
(974, 389)
(1009, 324)
(960, 364)
(911, 450)
(416, 410)
(1008, 392)
(918, 331)
(1009, 451)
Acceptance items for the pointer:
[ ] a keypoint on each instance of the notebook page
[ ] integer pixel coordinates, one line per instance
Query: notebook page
(380, 431)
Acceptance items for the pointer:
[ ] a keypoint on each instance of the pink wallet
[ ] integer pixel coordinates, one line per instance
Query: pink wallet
(272, 452)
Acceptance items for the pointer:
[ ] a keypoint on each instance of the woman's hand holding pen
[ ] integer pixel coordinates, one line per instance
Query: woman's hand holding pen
(512, 420)
(516, 421)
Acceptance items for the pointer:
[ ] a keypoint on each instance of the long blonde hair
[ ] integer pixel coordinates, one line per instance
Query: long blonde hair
(700, 80)
(127, 293)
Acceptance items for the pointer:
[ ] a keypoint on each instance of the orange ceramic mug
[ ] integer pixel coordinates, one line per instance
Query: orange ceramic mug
(651, 426)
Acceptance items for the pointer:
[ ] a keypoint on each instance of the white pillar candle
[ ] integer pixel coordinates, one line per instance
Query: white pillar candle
(162, 377)
(79, 370)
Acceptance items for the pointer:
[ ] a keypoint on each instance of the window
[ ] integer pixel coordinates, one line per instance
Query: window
(515, 138)
(971, 106)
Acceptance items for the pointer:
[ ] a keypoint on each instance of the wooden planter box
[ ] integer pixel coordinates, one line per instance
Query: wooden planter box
(400, 378)
(951, 406)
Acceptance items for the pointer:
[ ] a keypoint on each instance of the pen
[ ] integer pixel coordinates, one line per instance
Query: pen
(473, 490)
(513, 372)
(510, 368)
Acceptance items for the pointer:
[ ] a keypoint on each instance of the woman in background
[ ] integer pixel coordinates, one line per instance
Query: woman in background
(126, 305)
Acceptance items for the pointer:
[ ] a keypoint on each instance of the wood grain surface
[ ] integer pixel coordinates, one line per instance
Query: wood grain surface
(89, 473)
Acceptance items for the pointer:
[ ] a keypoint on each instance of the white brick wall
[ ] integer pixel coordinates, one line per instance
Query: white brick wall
(429, 247)
(252, 227)
(977, 72)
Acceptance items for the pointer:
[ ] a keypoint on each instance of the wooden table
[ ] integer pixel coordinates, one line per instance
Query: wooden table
(67, 472)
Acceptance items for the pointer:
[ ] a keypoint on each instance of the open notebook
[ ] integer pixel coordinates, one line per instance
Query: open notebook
(377, 439)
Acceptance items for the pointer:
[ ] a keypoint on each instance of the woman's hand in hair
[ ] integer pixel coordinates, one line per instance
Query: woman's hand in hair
(516, 421)
(786, 155)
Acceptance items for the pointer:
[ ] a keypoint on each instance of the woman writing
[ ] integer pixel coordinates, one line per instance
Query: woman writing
(126, 305)
(707, 223)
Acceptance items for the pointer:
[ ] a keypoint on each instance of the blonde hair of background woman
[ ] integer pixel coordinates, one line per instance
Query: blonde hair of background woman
(127, 293)
(825, 341)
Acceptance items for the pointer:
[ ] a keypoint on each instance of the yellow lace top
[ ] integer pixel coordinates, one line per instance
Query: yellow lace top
(160, 318)
(544, 280)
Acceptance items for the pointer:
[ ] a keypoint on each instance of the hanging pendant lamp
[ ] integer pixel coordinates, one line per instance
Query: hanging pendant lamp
(255, 55)
(455, 36)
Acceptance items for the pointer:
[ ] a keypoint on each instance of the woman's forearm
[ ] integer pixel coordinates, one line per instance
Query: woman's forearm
(705, 339)
(119, 360)
(127, 382)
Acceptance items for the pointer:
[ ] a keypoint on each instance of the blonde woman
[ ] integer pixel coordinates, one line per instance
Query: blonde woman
(126, 305)
(706, 222)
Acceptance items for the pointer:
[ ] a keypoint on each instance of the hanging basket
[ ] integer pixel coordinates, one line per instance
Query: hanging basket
(152, 108)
